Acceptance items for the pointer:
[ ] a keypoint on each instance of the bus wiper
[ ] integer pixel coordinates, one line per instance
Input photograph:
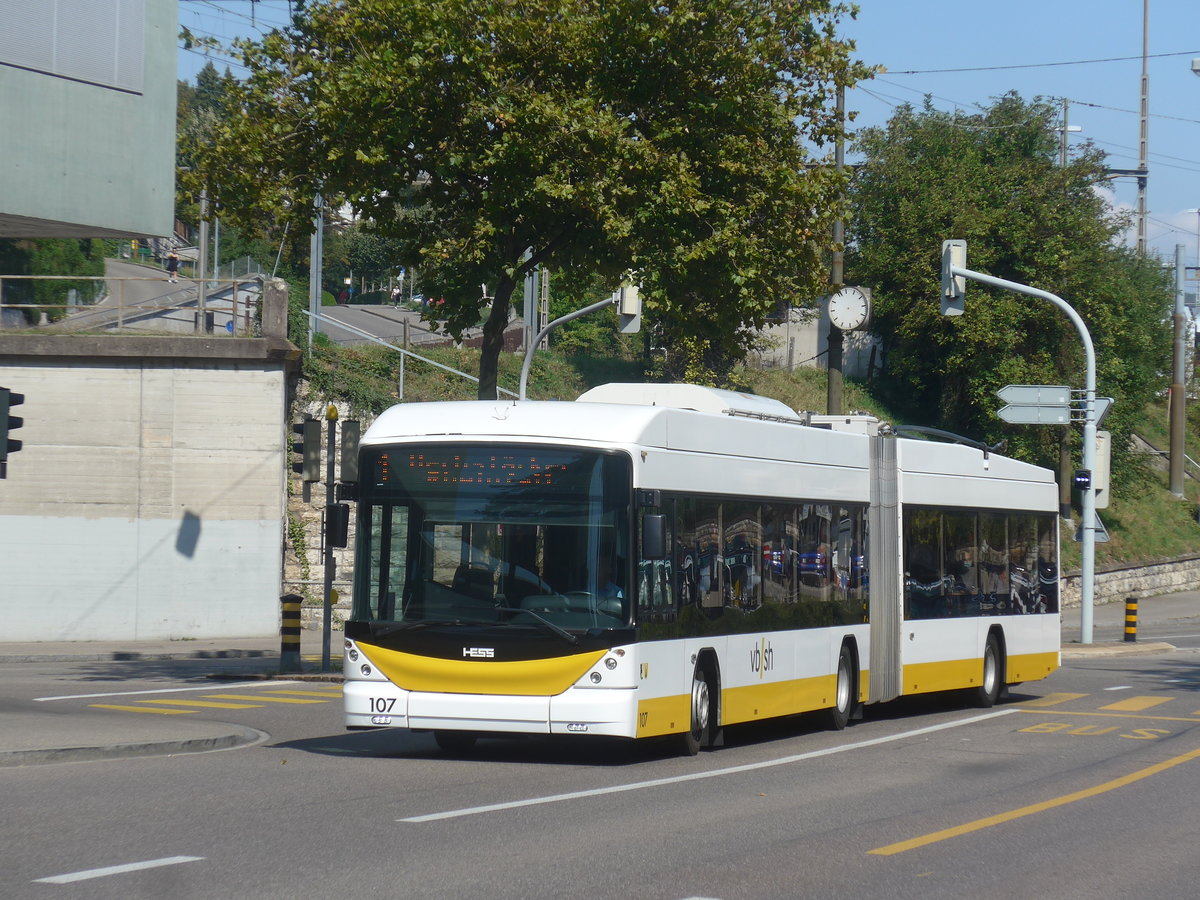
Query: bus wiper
(561, 632)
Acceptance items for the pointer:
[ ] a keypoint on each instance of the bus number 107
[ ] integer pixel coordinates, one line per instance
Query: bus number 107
(382, 704)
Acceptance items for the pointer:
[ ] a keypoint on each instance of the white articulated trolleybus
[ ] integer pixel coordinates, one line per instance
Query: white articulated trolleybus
(665, 560)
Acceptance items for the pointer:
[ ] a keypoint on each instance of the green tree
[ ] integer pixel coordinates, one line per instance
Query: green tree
(52, 257)
(490, 138)
(994, 179)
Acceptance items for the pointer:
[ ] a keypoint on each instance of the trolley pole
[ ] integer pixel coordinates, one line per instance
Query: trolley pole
(954, 270)
(331, 416)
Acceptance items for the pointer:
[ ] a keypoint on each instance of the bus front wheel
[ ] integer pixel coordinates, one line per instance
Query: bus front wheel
(701, 714)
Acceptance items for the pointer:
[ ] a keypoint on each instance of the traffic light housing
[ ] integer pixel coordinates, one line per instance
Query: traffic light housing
(307, 446)
(9, 423)
(954, 287)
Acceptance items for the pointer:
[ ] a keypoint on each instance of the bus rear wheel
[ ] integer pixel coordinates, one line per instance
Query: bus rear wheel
(839, 714)
(701, 715)
(990, 685)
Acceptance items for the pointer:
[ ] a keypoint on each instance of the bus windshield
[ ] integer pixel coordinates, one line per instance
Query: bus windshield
(506, 535)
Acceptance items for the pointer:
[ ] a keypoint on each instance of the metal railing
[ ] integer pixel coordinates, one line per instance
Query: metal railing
(224, 304)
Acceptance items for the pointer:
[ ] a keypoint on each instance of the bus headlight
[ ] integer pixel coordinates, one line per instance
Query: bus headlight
(366, 670)
(596, 676)
(610, 663)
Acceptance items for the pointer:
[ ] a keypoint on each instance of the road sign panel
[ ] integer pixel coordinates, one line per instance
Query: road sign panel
(1035, 394)
(1101, 531)
(1030, 414)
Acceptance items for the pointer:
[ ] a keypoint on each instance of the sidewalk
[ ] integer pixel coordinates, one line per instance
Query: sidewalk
(33, 733)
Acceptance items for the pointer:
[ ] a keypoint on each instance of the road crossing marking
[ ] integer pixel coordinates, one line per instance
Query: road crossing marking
(1137, 704)
(1052, 700)
(259, 698)
(142, 709)
(208, 704)
(168, 706)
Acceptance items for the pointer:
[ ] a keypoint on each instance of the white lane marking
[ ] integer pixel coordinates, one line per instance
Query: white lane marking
(697, 776)
(1120, 687)
(207, 687)
(116, 870)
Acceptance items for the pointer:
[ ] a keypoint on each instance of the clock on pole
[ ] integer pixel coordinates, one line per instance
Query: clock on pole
(850, 308)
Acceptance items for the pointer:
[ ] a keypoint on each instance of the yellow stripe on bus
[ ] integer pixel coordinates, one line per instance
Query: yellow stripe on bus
(522, 678)
(777, 698)
(953, 674)
(1030, 666)
(664, 715)
(925, 678)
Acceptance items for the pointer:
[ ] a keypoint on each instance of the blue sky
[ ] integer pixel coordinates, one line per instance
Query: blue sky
(995, 47)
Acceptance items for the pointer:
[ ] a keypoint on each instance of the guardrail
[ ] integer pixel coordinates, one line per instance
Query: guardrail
(220, 304)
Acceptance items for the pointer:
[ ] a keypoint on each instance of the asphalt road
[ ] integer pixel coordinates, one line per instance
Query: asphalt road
(1078, 786)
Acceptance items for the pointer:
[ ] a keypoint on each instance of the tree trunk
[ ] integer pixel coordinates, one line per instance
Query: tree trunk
(493, 339)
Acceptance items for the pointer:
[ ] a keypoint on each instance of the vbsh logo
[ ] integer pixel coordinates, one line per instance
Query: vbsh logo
(479, 652)
(762, 658)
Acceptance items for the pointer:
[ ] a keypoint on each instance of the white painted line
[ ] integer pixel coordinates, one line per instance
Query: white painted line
(1120, 687)
(116, 870)
(697, 776)
(207, 687)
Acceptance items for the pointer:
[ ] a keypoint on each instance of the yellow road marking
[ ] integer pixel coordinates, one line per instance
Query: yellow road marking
(261, 699)
(1137, 704)
(210, 704)
(1110, 715)
(1052, 700)
(980, 824)
(308, 693)
(142, 709)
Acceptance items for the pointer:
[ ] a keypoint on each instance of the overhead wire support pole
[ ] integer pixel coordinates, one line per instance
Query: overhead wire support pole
(1088, 525)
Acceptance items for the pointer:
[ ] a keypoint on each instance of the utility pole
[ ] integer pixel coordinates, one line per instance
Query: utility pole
(316, 250)
(834, 345)
(1143, 131)
(202, 259)
(1178, 398)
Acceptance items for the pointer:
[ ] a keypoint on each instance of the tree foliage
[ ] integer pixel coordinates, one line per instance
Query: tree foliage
(489, 138)
(52, 257)
(995, 180)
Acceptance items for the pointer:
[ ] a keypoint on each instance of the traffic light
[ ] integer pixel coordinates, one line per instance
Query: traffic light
(954, 287)
(8, 424)
(337, 524)
(308, 447)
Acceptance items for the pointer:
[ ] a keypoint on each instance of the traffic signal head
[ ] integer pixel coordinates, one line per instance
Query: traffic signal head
(307, 446)
(954, 287)
(8, 422)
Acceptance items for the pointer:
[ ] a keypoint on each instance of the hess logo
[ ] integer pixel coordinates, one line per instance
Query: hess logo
(479, 652)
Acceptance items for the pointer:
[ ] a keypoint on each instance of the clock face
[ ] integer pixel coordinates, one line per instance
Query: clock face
(849, 308)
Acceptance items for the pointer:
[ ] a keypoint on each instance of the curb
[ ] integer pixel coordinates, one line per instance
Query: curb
(134, 656)
(242, 737)
(1114, 648)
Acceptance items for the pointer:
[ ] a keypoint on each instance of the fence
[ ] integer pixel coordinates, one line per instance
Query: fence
(231, 305)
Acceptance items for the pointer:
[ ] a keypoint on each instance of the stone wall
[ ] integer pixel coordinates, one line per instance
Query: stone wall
(1114, 584)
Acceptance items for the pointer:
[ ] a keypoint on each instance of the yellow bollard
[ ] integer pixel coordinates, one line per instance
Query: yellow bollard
(1131, 619)
(289, 634)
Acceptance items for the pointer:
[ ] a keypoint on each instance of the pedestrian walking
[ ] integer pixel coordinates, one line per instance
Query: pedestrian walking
(172, 266)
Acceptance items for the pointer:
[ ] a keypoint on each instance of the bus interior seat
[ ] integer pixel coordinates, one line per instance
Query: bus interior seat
(473, 581)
